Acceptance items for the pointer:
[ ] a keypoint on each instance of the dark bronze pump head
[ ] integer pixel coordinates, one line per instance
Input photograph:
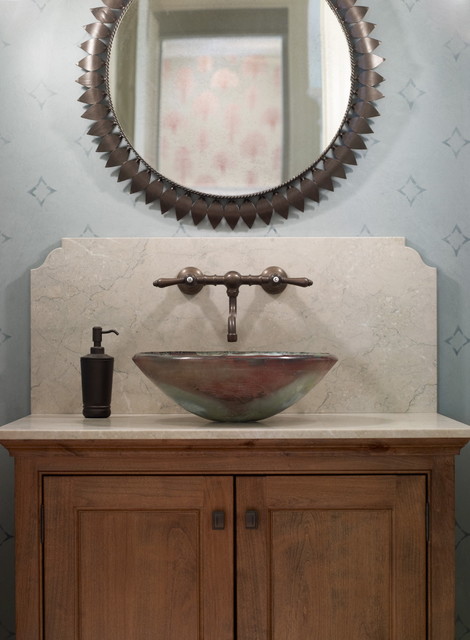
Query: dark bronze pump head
(97, 334)
(191, 280)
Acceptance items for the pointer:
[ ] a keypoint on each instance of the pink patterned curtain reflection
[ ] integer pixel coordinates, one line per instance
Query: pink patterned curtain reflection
(206, 85)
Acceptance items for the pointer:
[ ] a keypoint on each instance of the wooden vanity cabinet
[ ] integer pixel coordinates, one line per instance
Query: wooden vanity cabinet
(235, 540)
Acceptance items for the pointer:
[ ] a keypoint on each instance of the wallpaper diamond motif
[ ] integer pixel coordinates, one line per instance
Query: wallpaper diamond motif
(41, 4)
(456, 46)
(85, 143)
(411, 190)
(4, 536)
(456, 239)
(456, 142)
(41, 191)
(460, 535)
(3, 338)
(5, 633)
(41, 93)
(410, 4)
(88, 233)
(411, 93)
(458, 341)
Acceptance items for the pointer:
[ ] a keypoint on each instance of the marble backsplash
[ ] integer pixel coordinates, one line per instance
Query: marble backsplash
(372, 304)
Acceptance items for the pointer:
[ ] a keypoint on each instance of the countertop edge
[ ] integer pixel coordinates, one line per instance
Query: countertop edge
(289, 426)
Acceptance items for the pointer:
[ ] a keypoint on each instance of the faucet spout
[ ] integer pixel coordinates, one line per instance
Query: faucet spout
(232, 317)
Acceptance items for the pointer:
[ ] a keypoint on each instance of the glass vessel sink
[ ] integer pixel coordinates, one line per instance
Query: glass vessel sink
(234, 386)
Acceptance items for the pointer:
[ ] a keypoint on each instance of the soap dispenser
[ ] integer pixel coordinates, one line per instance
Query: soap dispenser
(97, 378)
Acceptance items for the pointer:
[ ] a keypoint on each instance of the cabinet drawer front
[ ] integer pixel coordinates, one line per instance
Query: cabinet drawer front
(137, 558)
(332, 557)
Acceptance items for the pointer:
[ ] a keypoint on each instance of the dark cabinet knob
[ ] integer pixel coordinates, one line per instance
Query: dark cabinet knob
(251, 519)
(218, 520)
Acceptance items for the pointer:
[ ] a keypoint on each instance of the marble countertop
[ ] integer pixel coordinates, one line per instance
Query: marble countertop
(283, 426)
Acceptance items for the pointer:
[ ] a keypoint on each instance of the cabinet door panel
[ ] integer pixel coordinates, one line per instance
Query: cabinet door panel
(136, 558)
(333, 557)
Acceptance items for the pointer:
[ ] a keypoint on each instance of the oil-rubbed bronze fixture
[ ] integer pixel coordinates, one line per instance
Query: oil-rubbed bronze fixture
(191, 280)
(321, 175)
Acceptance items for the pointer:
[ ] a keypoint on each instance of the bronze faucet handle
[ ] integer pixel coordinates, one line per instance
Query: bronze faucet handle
(298, 282)
(189, 280)
(275, 280)
(168, 282)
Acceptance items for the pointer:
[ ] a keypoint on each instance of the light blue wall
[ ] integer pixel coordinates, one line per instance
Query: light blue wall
(414, 181)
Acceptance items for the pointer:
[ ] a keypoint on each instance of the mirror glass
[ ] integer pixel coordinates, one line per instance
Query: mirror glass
(230, 100)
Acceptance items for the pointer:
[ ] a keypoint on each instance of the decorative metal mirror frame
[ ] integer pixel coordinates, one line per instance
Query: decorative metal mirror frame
(292, 193)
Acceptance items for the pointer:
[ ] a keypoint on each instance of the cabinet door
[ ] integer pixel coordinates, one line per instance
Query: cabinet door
(137, 558)
(332, 557)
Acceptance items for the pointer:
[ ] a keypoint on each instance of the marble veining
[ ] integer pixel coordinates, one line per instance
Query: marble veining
(372, 304)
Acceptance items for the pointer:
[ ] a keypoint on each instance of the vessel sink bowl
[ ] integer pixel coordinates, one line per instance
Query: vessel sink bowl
(234, 386)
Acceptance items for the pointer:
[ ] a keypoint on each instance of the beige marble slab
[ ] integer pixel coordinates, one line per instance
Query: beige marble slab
(285, 426)
(372, 304)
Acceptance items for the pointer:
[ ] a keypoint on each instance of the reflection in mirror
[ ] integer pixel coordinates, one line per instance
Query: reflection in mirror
(229, 100)
(232, 114)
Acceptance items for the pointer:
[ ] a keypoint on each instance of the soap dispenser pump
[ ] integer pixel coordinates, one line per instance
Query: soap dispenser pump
(97, 378)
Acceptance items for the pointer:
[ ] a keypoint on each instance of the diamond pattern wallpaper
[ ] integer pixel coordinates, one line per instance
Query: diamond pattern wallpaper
(413, 181)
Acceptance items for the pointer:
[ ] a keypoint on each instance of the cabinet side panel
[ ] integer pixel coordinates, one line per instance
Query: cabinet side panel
(28, 553)
(410, 559)
(442, 550)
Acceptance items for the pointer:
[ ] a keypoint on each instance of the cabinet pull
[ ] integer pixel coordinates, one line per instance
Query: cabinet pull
(251, 519)
(218, 520)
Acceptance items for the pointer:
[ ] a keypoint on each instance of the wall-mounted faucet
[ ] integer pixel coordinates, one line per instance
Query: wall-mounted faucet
(191, 280)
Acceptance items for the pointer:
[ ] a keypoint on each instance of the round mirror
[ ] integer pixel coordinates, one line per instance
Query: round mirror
(234, 100)
(230, 112)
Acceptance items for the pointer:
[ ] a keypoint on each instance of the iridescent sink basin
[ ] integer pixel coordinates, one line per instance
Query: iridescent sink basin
(234, 386)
